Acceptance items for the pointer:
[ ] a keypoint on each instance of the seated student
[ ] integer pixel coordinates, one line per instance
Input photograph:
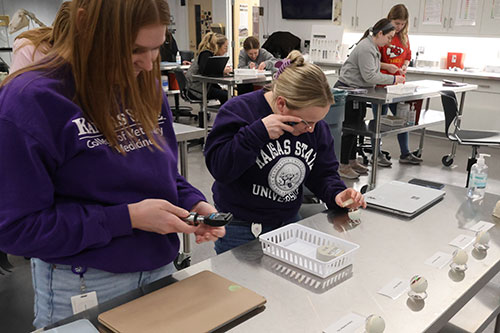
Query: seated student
(169, 49)
(265, 145)
(362, 70)
(212, 44)
(252, 56)
(32, 45)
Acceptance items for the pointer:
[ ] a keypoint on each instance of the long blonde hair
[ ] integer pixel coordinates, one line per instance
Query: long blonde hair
(302, 84)
(213, 42)
(99, 50)
(400, 12)
(43, 38)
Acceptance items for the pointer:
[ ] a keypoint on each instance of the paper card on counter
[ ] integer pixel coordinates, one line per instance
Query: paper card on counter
(439, 259)
(350, 323)
(462, 241)
(482, 226)
(395, 288)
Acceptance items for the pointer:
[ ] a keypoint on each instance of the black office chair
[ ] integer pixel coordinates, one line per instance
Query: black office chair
(474, 138)
(186, 55)
(182, 81)
(182, 111)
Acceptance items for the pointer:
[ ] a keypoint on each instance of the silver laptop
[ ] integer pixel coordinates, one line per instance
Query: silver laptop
(403, 198)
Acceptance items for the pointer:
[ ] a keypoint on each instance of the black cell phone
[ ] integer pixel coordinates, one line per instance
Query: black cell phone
(426, 183)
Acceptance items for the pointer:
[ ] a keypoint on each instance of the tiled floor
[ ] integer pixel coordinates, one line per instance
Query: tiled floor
(16, 291)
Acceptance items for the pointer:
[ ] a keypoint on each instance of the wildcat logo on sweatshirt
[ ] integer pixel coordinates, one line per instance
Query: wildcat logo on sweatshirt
(286, 175)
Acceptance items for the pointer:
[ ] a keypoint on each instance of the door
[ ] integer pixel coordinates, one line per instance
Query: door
(368, 13)
(245, 24)
(200, 19)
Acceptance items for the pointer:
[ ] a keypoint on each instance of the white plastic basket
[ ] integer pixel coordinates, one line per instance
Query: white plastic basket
(401, 89)
(297, 245)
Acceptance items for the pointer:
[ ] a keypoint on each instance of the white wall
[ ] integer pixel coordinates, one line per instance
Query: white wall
(44, 10)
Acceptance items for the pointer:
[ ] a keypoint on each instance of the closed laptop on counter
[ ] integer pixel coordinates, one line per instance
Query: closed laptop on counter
(403, 198)
(200, 303)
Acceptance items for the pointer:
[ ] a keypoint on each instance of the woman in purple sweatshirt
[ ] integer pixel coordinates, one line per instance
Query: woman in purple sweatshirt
(266, 144)
(89, 187)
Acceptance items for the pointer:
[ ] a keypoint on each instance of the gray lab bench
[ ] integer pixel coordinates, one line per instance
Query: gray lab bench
(426, 89)
(390, 247)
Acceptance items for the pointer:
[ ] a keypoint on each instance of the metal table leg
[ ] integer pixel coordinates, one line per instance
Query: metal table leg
(183, 260)
(373, 174)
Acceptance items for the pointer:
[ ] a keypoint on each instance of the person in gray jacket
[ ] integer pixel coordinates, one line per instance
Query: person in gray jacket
(362, 70)
(252, 56)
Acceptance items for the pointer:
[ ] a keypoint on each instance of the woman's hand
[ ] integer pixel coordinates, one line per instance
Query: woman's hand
(251, 65)
(159, 216)
(399, 79)
(262, 66)
(391, 68)
(205, 232)
(350, 193)
(276, 124)
(403, 69)
(228, 70)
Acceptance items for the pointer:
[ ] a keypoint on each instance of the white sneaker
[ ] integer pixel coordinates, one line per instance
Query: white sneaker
(346, 171)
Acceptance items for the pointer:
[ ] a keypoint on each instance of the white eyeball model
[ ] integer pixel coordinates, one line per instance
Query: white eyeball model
(483, 237)
(355, 215)
(418, 284)
(374, 324)
(460, 257)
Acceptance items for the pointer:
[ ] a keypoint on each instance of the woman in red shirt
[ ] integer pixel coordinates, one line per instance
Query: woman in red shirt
(395, 59)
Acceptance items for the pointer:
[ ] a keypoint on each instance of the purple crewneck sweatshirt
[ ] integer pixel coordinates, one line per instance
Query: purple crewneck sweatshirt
(259, 179)
(64, 191)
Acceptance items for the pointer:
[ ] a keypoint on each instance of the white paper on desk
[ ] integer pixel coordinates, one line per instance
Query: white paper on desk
(462, 241)
(439, 259)
(350, 323)
(395, 288)
(482, 226)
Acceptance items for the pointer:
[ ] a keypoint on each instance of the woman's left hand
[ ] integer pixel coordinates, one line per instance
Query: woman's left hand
(205, 233)
(262, 66)
(350, 193)
(228, 70)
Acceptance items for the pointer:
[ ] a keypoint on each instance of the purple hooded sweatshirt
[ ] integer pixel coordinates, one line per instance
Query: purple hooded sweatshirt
(259, 179)
(64, 191)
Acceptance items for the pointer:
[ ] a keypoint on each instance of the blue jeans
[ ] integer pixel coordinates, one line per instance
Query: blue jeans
(403, 138)
(239, 232)
(54, 286)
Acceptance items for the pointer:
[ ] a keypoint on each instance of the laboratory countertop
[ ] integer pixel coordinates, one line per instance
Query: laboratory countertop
(434, 71)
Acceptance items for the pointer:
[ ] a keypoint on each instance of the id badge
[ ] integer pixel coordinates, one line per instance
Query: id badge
(83, 302)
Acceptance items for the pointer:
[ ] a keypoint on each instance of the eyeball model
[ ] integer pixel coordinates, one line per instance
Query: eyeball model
(482, 240)
(374, 324)
(418, 284)
(483, 237)
(460, 257)
(355, 215)
(328, 252)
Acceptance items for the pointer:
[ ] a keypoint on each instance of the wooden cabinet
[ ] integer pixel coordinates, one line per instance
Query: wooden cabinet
(359, 15)
(450, 17)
